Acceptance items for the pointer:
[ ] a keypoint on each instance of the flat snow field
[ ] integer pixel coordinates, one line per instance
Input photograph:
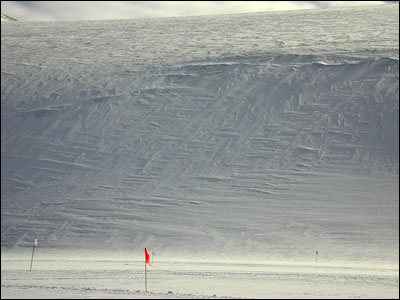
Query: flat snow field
(185, 279)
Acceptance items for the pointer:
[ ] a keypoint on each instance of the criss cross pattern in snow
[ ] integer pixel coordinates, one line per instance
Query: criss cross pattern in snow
(267, 134)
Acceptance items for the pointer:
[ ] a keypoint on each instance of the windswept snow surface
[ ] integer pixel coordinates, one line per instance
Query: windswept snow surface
(248, 138)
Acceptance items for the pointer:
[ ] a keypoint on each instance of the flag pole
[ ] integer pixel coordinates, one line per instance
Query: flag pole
(145, 272)
(316, 257)
(33, 251)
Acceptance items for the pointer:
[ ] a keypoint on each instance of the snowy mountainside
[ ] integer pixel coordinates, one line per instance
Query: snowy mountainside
(206, 136)
(5, 18)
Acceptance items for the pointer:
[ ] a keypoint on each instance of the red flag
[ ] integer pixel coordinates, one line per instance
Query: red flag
(147, 256)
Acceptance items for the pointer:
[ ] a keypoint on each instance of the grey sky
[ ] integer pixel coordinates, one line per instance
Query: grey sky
(104, 10)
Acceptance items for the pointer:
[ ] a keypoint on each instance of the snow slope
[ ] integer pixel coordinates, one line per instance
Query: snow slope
(261, 136)
(5, 18)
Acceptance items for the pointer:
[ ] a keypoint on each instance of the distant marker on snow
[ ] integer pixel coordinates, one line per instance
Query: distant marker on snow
(316, 257)
(35, 243)
(147, 261)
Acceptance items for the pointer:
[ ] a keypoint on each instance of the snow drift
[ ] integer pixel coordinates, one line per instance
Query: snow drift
(267, 135)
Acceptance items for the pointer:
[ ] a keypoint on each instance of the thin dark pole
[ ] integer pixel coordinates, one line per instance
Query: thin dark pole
(33, 251)
(145, 274)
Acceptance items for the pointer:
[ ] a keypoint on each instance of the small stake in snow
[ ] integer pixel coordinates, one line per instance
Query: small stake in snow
(146, 261)
(33, 251)
(316, 257)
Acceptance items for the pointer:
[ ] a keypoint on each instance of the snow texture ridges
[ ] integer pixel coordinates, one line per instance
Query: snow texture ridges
(222, 134)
